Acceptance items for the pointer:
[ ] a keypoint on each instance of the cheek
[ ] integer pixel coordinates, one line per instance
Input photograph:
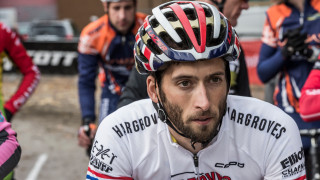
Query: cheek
(130, 14)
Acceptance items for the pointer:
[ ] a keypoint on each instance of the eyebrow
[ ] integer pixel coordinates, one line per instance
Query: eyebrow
(182, 76)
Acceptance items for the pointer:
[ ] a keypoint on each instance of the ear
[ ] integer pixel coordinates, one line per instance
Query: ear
(151, 88)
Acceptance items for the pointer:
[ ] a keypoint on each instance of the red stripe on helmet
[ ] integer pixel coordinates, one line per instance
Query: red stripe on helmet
(148, 66)
(137, 37)
(186, 24)
(145, 23)
(147, 52)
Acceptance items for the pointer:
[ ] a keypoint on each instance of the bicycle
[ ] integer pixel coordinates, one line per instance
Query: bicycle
(314, 136)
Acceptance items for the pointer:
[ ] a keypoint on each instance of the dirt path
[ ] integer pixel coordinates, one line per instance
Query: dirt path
(47, 125)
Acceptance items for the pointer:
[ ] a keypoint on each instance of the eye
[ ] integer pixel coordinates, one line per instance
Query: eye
(215, 79)
(184, 83)
(116, 8)
(128, 7)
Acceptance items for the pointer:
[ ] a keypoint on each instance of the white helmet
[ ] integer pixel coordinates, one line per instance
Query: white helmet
(184, 31)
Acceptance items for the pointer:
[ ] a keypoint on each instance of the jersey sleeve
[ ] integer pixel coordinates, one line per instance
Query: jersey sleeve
(285, 158)
(270, 59)
(310, 97)
(9, 148)
(30, 72)
(110, 155)
(87, 68)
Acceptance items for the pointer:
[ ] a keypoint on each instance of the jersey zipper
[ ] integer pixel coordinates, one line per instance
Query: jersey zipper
(301, 19)
(196, 163)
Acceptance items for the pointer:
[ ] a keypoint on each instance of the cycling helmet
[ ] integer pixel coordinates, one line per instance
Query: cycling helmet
(184, 31)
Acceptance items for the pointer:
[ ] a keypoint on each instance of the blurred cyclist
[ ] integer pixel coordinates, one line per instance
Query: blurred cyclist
(191, 128)
(136, 86)
(9, 148)
(11, 47)
(290, 46)
(106, 43)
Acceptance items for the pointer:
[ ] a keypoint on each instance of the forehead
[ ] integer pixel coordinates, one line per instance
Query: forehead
(197, 68)
(122, 3)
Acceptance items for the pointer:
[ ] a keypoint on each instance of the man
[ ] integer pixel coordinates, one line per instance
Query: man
(204, 133)
(106, 43)
(12, 48)
(135, 88)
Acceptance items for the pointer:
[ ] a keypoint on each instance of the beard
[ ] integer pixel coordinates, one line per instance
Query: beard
(205, 133)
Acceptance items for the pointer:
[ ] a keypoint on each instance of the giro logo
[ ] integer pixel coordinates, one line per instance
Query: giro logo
(230, 164)
(53, 58)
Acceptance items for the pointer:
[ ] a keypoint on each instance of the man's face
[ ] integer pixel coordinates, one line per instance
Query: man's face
(232, 9)
(122, 15)
(194, 96)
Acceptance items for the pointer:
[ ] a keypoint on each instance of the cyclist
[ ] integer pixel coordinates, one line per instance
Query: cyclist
(310, 95)
(290, 43)
(11, 46)
(185, 47)
(135, 88)
(108, 43)
(9, 148)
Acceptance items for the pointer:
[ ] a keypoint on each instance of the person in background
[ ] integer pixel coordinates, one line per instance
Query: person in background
(11, 47)
(10, 149)
(105, 44)
(310, 95)
(290, 46)
(191, 127)
(135, 88)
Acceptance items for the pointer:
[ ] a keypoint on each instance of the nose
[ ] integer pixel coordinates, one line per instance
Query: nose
(202, 99)
(122, 14)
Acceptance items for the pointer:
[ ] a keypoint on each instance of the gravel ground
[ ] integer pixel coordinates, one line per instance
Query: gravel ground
(47, 127)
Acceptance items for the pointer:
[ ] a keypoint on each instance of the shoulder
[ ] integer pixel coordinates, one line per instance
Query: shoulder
(94, 35)
(141, 15)
(277, 13)
(315, 4)
(263, 131)
(95, 26)
(259, 117)
(139, 21)
(132, 120)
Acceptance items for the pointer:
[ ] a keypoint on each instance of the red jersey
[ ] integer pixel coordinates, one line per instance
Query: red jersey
(310, 97)
(11, 45)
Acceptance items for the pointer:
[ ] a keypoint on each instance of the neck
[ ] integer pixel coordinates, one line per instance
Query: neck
(299, 4)
(185, 142)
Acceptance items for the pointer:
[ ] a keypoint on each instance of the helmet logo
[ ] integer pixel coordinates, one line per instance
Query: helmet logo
(157, 40)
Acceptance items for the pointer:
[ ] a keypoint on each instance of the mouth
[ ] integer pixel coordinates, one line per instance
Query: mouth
(203, 120)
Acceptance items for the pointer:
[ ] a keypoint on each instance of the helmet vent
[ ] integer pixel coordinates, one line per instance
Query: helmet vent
(190, 14)
(207, 12)
(153, 47)
(196, 32)
(171, 16)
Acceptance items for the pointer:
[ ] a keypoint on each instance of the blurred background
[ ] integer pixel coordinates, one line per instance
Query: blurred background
(47, 124)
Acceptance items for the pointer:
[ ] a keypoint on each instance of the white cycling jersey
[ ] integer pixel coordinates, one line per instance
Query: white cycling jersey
(256, 141)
